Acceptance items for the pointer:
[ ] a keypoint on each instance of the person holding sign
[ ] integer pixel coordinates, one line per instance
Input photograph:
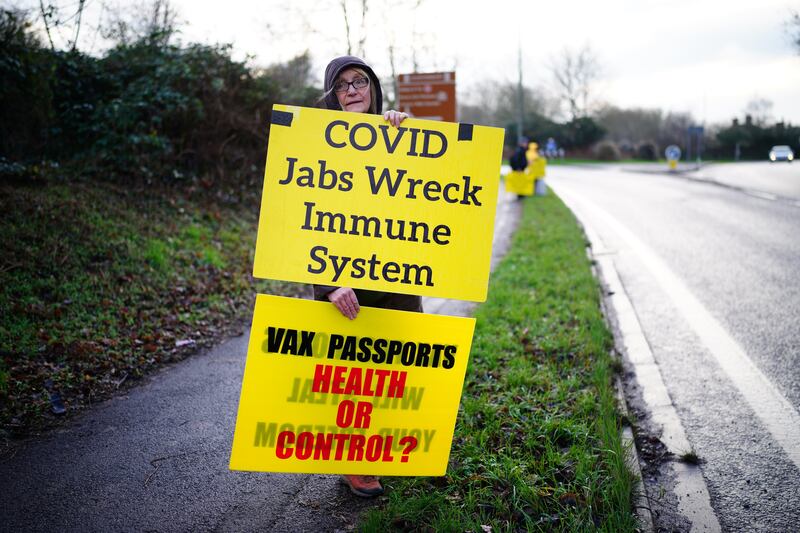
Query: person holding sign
(351, 85)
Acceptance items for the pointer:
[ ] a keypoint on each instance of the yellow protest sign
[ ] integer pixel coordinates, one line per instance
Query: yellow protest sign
(323, 394)
(350, 200)
(536, 167)
(519, 182)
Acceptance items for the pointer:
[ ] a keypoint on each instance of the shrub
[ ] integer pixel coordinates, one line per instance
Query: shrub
(146, 110)
(607, 151)
(647, 150)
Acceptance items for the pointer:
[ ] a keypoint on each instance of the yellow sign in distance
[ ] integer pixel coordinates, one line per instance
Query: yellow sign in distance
(350, 200)
(519, 182)
(320, 396)
(536, 167)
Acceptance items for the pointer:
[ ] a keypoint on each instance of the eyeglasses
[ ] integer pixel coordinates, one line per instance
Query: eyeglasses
(344, 86)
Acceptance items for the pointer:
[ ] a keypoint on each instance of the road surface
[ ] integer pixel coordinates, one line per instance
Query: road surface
(712, 269)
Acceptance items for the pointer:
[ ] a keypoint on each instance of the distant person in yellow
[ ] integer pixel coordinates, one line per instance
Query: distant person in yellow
(351, 85)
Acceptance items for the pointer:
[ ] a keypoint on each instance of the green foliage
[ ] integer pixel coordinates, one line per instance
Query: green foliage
(647, 151)
(577, 133)
(100, 285)
(147, 110)
(754, 140)
(607, 151)
(26, 93)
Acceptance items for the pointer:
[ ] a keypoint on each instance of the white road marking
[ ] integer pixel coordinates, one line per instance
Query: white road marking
(762, 195)
(774, 411)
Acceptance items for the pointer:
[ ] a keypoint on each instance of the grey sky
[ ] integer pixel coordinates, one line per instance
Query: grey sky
(708, 57)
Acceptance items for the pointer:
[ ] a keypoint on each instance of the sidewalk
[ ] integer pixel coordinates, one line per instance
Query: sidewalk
(156, 458)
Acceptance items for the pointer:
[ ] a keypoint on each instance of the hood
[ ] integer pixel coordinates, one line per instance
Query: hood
(338, 65)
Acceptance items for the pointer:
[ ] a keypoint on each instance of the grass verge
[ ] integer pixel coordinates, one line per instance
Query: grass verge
(537, 444)
(101, 284)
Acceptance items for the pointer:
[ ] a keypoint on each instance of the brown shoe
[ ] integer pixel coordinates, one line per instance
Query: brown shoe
(364, 486)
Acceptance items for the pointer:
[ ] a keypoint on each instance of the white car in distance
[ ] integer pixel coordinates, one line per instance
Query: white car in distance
(781, 153)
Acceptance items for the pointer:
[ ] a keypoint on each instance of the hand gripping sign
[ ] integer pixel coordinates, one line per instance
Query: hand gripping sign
(375, 395)
(350, 200)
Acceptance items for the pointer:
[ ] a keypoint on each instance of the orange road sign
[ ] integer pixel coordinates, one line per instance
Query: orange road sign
(430, 96)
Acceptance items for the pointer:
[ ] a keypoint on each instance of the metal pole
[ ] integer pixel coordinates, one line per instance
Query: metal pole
(520, 110)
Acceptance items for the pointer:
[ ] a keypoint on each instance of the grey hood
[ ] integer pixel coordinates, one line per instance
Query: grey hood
(335, 67)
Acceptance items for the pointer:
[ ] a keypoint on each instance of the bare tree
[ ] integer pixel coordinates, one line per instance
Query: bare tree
(56, 18)
(574, 72)
(760, 110)
(793, 28)
(343, 4)
(153, 20)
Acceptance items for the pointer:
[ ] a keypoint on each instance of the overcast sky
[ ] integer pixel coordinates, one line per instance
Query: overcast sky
(708, 57)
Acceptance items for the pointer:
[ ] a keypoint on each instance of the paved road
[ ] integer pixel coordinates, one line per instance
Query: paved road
(156, 458)
(712, 272)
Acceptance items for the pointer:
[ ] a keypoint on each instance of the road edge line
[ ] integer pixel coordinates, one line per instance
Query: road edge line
(631, 343)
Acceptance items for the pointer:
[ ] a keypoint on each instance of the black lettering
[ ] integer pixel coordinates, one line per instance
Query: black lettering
(328, 130)
(446, 193)
(423, 353)
(321, 262)
(332, 218)
(349, 349)
(432, 187)
(307, 337)
(346, 178)
(292, 161)
(337, 341)
(442, 230)
(290, 342)
(449, 357)
(374, 222)
(326, 172)
(418, 269)
(471, 193)
(307, 178)
(407, 357)
(391, 147)
(412, 151)
(414, 225)
(391, 187)
(273, 342)
(307, 219)
(426, 143)
(412, 184)
(365, 354)
(372, 137)
(358, 268)
(380, 350)
(391, 268)
(338, 267)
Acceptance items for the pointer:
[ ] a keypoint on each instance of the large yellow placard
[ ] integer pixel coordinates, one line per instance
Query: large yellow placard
(323, 394)
(350, 200)
(519, 182)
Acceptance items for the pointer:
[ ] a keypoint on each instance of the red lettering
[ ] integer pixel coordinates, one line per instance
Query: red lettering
(344, 415)
(322, 449)
(356, 451)
(282, 451)
(338, 379)
(305, 445)
(397, 383)
(353, 382)
(322, 378)
(373, 451)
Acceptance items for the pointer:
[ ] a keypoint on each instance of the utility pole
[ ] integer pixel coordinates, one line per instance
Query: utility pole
(520, 110)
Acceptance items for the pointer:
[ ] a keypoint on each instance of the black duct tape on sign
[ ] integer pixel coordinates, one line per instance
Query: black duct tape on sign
(282, 118)
(465, 132)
